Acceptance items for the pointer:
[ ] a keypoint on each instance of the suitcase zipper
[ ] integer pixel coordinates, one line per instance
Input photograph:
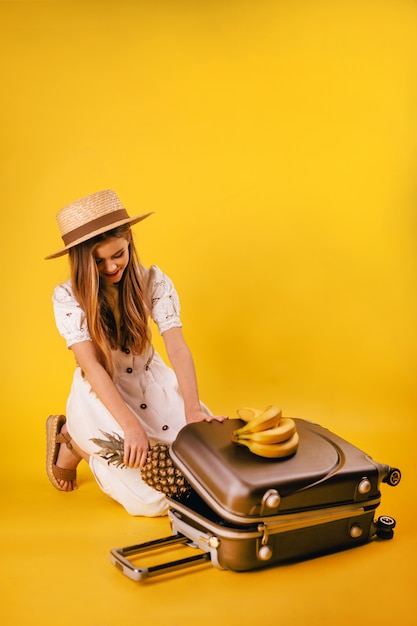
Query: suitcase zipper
(286, 523)
(277, 524)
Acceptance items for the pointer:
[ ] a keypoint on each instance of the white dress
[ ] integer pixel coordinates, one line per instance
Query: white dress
(146, 383)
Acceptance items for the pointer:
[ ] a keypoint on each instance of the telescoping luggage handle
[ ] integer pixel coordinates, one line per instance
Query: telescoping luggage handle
(118, 557)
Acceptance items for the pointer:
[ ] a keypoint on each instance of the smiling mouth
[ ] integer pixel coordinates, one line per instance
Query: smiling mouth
(112, 276)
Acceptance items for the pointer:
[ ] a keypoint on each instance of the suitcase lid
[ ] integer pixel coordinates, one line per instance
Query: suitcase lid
(325, 471)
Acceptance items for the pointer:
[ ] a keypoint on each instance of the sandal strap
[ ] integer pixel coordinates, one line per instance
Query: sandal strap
(61, 473)
(65, 438)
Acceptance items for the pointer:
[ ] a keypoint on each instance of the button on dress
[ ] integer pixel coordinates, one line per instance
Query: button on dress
(147, 384)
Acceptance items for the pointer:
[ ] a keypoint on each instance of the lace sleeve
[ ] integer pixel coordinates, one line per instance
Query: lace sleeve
(165, 304)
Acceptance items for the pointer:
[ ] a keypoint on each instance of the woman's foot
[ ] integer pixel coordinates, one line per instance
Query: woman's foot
(66, 460)
(63, 456)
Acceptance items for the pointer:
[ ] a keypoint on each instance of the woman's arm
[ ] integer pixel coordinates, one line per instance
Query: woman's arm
(182, 362)
(136, 442)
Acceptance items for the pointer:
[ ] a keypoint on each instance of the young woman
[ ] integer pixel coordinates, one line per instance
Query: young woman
(120, 385)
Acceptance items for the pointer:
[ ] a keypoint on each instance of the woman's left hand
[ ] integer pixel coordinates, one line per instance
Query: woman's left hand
(200, 416)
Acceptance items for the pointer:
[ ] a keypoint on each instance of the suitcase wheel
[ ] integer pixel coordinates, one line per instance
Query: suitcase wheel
(385, 527)
(393, 477)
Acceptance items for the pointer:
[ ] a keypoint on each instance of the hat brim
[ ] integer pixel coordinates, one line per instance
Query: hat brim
(131, 221)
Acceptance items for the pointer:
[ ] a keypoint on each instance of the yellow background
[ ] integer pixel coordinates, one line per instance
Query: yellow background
(276, 143)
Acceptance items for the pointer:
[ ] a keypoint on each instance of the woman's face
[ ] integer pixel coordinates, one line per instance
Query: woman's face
(111, 258)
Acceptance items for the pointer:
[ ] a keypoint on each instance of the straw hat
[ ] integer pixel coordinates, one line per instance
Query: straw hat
(90, 216)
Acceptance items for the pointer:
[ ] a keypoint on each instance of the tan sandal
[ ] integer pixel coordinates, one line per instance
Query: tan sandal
(54, 438)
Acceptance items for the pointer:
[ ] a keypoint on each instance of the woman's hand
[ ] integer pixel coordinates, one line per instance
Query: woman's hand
(136, 446)
(200, 416)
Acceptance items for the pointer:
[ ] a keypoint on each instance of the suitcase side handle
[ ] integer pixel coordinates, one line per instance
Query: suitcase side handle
(119, 558)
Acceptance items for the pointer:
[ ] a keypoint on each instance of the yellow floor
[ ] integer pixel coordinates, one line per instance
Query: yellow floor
(56, 568)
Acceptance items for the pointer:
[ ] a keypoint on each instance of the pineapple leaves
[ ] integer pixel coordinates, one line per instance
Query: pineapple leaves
(112, 448)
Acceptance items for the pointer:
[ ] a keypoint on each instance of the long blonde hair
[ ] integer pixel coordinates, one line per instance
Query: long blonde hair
(133, 304)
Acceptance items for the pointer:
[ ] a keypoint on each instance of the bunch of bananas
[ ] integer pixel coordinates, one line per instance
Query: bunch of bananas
(267, 433)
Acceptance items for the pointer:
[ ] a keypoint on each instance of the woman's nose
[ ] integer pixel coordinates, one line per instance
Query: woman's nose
(110, 266)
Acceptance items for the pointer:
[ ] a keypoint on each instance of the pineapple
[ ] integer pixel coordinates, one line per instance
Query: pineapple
(159, 472)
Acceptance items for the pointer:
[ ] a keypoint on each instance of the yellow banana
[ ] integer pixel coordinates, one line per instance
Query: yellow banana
(272, 450)
(280, 433)
(267, 419)
(247, 413)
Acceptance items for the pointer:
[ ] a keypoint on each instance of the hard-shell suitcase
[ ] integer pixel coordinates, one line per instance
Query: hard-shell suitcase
(245, 512)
